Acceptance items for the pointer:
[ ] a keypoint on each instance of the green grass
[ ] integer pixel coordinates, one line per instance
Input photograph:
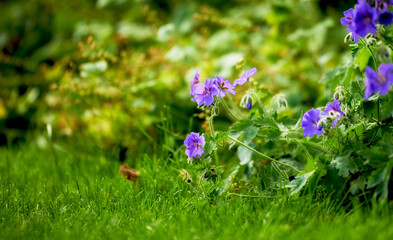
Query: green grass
(83, 196)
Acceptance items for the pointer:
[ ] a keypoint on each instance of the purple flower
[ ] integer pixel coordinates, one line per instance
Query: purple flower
(245, 76)
(333, 110)
(249, 105)
(204, 93)
(194, 82)
(347, 21)
(224, 86)
(385, 18)
(310, 123)
(364, 18)
(194, 144)
(378, 82)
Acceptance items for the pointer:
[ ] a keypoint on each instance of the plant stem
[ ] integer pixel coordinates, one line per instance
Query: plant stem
(282, 173)
(379, 101)
(311, 144)
(234, 106)
(260, 104)
(263, 155)
(189, 184)
(216, 158)
(224, 104)
(200, 184)
(211, 126)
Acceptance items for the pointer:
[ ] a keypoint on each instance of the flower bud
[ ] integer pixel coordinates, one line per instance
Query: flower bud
(246, 101)
(339, 93)
(381, 28)
(322, 122)
(348, 38)
(185, 176)
(279, 102)
(371, 41)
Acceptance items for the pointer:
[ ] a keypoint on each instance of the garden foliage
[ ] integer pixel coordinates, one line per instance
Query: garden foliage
(344, 148)
(116, 72)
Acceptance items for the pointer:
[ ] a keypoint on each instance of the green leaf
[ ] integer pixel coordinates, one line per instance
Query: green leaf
(380, 178)
(362, 58)
(349, 75)
(354, 50)
(377, 156)
(299, 182)
(344, 164)
(244, 155)
(357, 87)
(210, 147)
(221, 136)
(358, 128)
(268, 128)
(245, 126)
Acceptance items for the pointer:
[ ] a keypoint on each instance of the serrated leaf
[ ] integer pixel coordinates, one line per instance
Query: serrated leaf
(354, 50)
(209, 148)
(245, 127)
(380, 178)
(299, 182)
(221, 136)
(357, 87)
(358, 128)
(376, 156)
(268, 128)
(344, 164)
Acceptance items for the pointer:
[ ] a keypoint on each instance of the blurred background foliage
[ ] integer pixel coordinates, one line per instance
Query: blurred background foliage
(116, 73)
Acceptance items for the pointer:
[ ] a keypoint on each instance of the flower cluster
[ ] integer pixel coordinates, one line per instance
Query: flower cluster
(203, 93)
(363, 19)
(313, 120)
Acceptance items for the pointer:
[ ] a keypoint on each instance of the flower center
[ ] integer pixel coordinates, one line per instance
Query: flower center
(385, 16)
(367, 19)
(223, 87)
(381, 79)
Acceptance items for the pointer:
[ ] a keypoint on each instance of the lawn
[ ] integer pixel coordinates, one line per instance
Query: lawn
(83, 196)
